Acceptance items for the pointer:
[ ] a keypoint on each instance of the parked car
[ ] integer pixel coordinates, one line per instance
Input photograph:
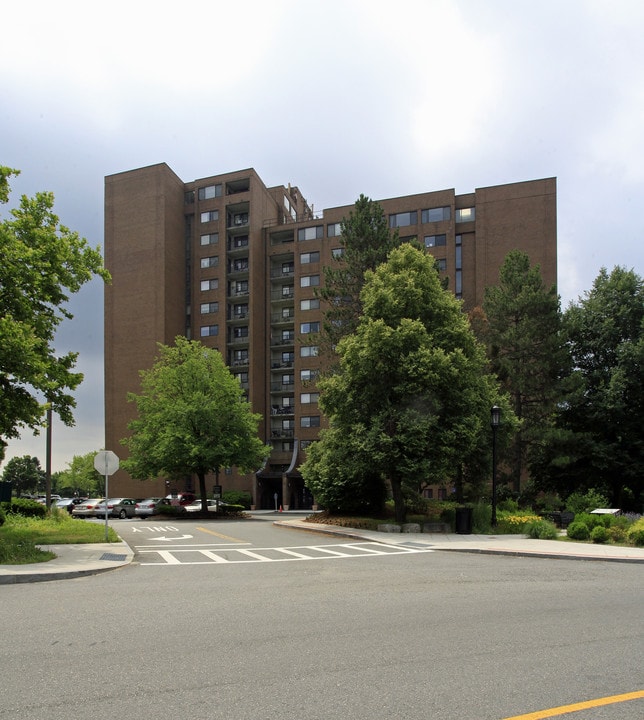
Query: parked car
(87, 508)
(212, 505)
(125, 509)
(114, 507)
(145, 508)
(70, 503)
(184, 498)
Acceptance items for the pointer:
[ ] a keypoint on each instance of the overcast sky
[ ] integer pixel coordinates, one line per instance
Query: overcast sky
(337, 97)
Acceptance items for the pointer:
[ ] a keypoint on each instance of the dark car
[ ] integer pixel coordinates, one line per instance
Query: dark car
(69, 503)
(125, 509)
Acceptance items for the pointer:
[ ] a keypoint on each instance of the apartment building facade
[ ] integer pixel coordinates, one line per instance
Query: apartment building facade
(236, 264)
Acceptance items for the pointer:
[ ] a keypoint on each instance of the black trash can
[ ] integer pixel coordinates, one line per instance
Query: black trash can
(464, 520)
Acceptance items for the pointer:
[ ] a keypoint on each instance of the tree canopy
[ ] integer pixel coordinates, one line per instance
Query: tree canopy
(598, 442)
(193, 418)
(366, 241)
(522, 331)
(410, 403)
(25, 475)
(42, 263)
(80, 476)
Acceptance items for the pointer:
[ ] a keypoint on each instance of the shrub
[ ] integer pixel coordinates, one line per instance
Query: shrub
(617, 534)
(481, 518)
(636, 533)
(171, 510)
(542, 530)
(578, 530)
(585, 502)
(514, 523)
(599, 534)
(508, 505)
(27, 508)
(2, 517)
(237, 497)
(592, 521)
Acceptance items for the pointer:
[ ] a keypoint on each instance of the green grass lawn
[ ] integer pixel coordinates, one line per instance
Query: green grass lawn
(19, 536)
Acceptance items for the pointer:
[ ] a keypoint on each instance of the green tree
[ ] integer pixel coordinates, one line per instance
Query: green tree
(80, 477)
(599, 425)
(410, 403)
(192, 418)
(41, 264)
(366, 241)
(522, 331)
(25, 475)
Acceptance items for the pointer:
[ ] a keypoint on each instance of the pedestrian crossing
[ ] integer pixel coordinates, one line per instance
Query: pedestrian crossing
(226, 555)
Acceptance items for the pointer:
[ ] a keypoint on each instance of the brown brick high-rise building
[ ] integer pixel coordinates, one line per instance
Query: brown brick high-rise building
(233, 263)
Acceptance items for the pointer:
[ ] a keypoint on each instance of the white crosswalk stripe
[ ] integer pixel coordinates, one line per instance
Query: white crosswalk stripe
(195, 555)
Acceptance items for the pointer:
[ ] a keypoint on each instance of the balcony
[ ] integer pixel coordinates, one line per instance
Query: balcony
(286, 292)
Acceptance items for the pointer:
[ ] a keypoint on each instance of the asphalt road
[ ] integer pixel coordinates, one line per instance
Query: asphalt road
(432, 635)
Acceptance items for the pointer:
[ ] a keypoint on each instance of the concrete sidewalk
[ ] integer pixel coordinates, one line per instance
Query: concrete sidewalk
(71, 561)
(90, 559)
(517, 545)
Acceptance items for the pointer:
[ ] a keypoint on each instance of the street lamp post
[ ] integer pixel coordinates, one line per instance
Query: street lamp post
(495, 421)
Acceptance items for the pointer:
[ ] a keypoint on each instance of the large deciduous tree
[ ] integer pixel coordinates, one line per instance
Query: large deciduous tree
(42, 263)
(80, 477)
(600, 440)
(410, 403)
(25, 475)
(522, 330)
(192, 418)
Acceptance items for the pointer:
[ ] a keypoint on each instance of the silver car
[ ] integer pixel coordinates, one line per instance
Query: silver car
(114, 507)
(146, 508)
(87, 508)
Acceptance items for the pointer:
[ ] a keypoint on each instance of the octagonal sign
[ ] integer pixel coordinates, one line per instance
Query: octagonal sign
(106, 462)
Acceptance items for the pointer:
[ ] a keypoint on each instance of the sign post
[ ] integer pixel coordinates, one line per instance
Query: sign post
(107, 463)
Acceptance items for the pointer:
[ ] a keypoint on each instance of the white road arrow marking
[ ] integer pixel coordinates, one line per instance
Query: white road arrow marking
(170, 539)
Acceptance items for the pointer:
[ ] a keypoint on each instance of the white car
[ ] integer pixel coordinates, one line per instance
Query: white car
(87, 508)
(212, 505)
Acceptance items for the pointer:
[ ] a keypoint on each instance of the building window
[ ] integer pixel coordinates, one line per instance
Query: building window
(240, 357)
(209, 330)
(209, 216)
(312, 304)
(240, 310)
(334, 230)
(442, 264)
(288, 379)
(242, 377)
(309, 280)
(310, 421)
(212, 284)
(309, 351)
(209, 262)
(189, 197)
(288, 358)
(403, 219)
(435, 240)
(241, 331)
(239, 265)
(435, 214)
(308, 398)
(465, 215)
(311, 233)
(210, 239)
(310, 257)
(241, 241)
(309, 327)
(337, 253)
(207, 193)
(212, 307)
(458, 283)
(308, 375)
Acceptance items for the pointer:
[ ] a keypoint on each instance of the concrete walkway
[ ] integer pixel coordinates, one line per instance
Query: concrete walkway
(90, 559)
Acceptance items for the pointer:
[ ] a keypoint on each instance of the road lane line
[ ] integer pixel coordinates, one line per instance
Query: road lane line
(223, 537)
(576, 707)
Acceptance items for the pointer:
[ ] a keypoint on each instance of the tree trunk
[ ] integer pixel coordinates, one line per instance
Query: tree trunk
(399, 500)
(202, 491)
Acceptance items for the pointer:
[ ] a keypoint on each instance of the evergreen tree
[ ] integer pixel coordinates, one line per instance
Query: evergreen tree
(522, 330)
